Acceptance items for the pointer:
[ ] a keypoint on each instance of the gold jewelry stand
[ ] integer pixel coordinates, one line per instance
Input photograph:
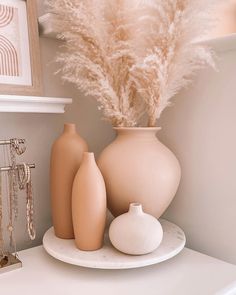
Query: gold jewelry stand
(10, 168)
(9, 262)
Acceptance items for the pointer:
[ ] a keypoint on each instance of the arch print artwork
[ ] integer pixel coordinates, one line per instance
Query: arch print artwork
(8, 58)
(6, 15)
(8, 54)
(19, 48)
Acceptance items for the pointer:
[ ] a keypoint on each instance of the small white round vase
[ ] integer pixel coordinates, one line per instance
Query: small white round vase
(135, 232)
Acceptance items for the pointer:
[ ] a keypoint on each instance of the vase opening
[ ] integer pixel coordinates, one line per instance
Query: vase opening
(88, 155)
(135, 208)
(137, 131)
(69, 127)
(135, 205)
(137, 128)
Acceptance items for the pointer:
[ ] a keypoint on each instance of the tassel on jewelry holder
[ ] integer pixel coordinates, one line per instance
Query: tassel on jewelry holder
(19, 176)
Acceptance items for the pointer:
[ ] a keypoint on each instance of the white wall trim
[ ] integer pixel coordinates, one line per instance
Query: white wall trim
(222, 44)
(33, 104)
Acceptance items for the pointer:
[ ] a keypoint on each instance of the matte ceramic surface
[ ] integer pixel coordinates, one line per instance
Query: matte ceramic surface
(89, 205)
(135, 232)
(66, 156)
(108, 257)
(138, 168)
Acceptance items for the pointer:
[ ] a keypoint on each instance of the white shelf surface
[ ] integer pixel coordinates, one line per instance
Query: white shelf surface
(188, 273)
(33, 104)
(220, 44)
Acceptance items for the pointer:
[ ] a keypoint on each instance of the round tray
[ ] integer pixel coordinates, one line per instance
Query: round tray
(108, 257)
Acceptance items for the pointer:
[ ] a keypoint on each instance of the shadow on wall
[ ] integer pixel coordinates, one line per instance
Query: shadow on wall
(200, 130)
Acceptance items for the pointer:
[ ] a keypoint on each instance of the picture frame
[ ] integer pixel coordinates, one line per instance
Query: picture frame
(20, 67)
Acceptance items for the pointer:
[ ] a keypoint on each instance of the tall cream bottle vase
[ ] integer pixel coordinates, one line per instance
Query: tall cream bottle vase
(66, 156)
(89, 205)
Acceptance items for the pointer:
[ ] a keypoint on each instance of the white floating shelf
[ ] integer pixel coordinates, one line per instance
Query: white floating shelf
(47, 27)
(33, 104)
(223, 43)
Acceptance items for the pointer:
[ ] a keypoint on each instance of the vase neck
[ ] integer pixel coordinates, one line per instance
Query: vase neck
(88, 157)
(144, 132)
(135, 208)
(69, 128)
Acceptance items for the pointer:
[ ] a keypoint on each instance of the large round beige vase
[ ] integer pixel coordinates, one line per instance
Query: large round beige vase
(138, 168)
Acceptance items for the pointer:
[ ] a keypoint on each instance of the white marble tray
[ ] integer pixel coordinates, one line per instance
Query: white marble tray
(110, 258)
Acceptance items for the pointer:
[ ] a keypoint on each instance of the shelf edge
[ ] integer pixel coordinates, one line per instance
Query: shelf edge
(33, 104)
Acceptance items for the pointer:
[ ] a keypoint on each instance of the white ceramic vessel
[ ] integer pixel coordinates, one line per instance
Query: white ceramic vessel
(135, 232)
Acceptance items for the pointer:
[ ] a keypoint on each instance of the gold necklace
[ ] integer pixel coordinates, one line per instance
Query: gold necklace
(1, 221)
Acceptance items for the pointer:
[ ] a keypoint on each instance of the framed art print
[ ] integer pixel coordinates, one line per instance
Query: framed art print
(20, 70)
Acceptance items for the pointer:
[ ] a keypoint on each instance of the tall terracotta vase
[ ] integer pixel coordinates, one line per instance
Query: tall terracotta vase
(138, 168)
(89, 205)
(66, 156)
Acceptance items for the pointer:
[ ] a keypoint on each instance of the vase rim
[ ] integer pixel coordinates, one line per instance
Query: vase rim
(88, 155)
(69, 124)
(136, 208)
(137, 128)
(69, 127)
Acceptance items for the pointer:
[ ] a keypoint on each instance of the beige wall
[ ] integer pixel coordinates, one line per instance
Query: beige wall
(201, 129)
